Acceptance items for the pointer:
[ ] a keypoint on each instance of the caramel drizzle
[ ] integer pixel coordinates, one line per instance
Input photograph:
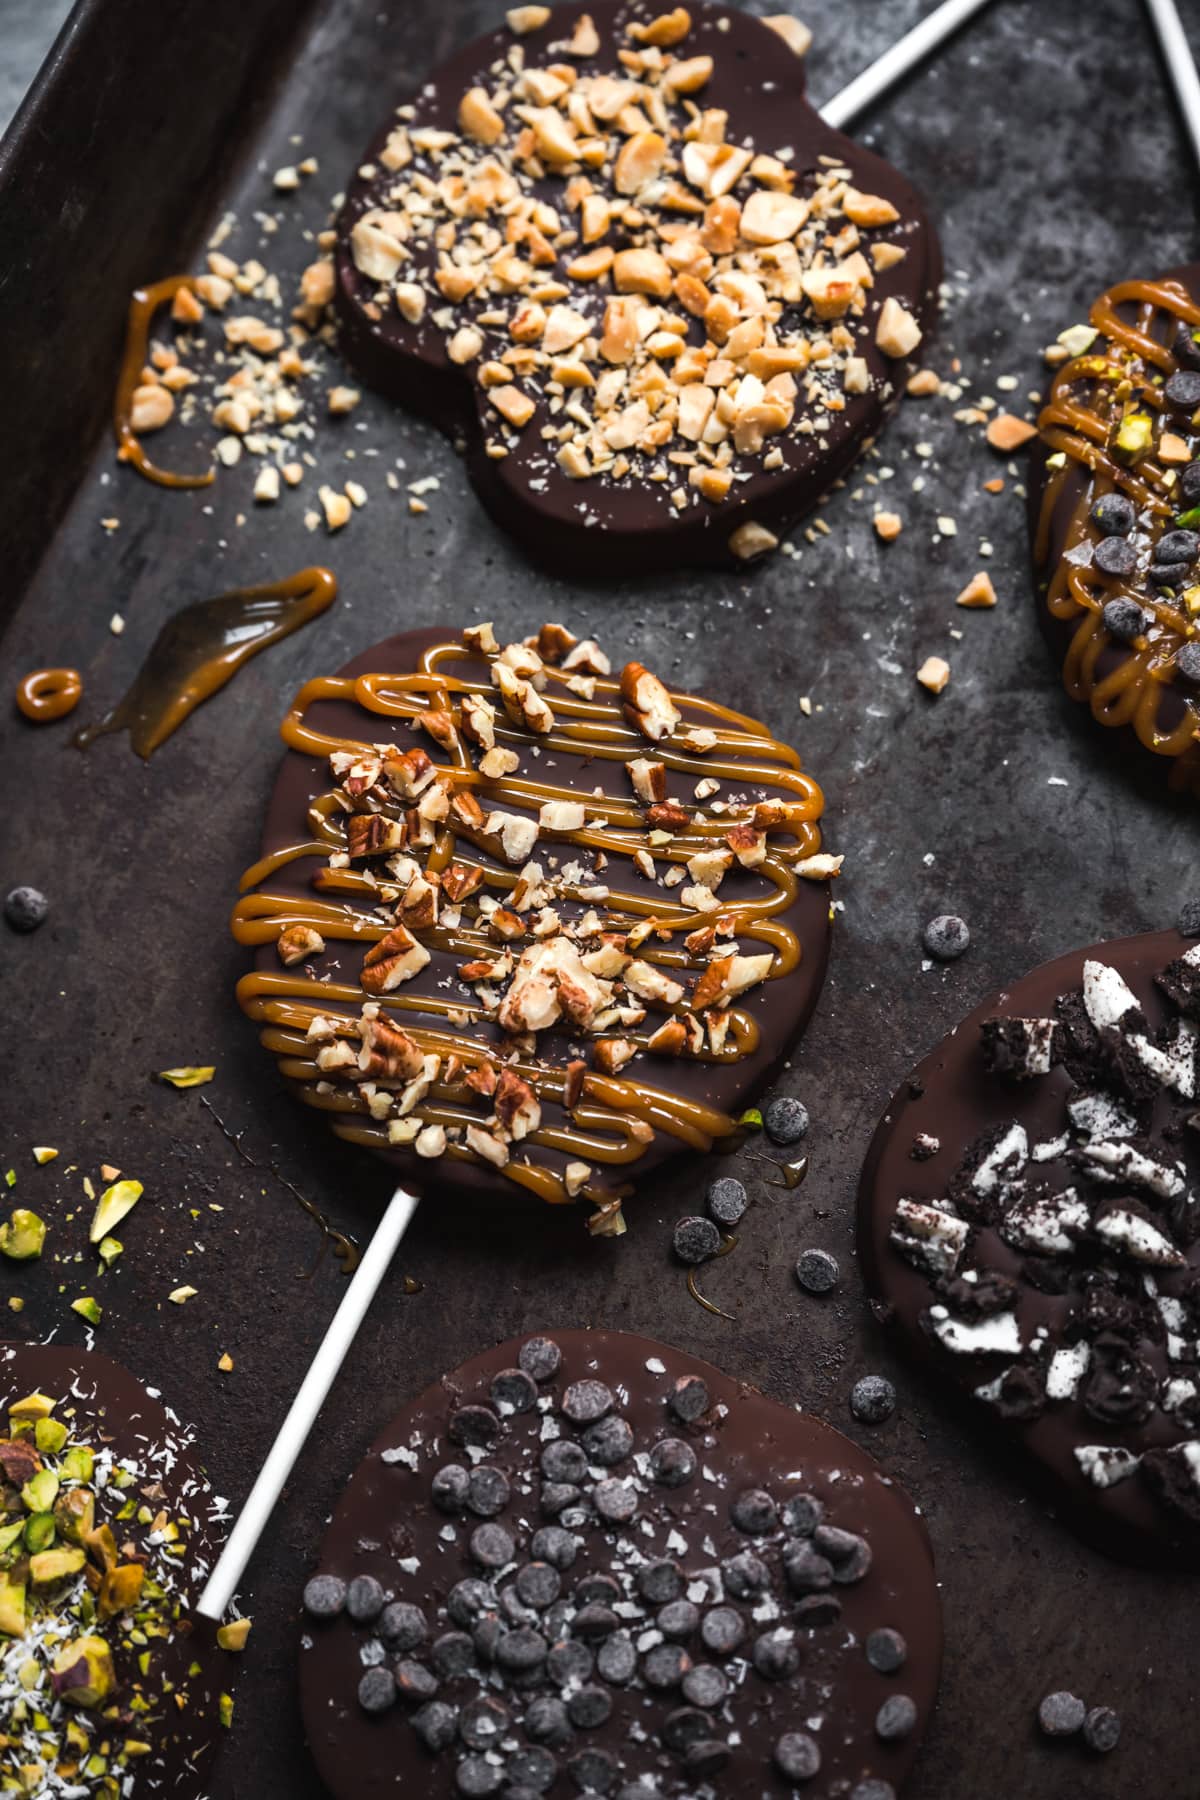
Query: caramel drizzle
(47, 694)
(616, 1116)
(143, 305)
(1082, 412)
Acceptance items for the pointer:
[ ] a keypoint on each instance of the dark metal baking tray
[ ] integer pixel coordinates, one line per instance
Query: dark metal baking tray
(1050, 149)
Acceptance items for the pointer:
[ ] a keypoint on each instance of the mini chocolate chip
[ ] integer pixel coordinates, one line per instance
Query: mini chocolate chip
(534, 1770)
(609, 1441)
(25, 908)
(802, 1514)
(488, 1491)
(450, 1488)
(785, 1120)
(597, 1585)
(514, 1391)
(677, 1619)
(467, 1599)
(453, 1654)
(1189, 480)
(946, 937)
(1115, 556)
(1177, 546)
(797, 1756)
(487, 1635)
(324, 1596)
(665, 1666)
(364, 1599)
(1124, 619)
(872, 1399)
(659, 1581)
(586, 1401)
(685, 1726)
(689, 1398)
(569, 1663)
(377, 1689)
(1061, 1714)
(474, 1425)
(538, 1584)
(563, 1460)
(886, 1650)
(849, 1553)
(589, 1707)
(1184, 346)
(615, 1501)
(414, 1681)
(705, 1685)
(1102, 1730)
(1187, 664)
(592, 1771)
(1181, 391)
(515, 1610)
(722, 1630)
(540, 1357)
(745, 1575)
(817, 1271)
(695, 1239)
(553, 1544)
(672, 1462)
(521, 1650)
(706, 1756)
(482, 1723)
(726, 1200)
(436, 1724)
(492, 1546)
(872, 1789)
(754, 1511)
(816, 1610)
(558, 1495)
(402, 1626)
(475, 1778)
(895, 1718)
(616, 1659)
(806, 1571)
(775, 1655)
(546, 1721)
(1168, 574)
(1188, 923)
(595, 1621)
(1114, 515)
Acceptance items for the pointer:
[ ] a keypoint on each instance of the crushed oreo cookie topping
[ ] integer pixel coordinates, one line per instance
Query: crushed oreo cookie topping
(717, 1604)
(1047, 1255)
(528, 919)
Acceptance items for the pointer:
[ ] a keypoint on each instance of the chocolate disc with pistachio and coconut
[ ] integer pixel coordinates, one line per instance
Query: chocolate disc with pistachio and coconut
(106, 1534)
(586, 1563)
(1030, 1216)
(618, 253)
(526, 920)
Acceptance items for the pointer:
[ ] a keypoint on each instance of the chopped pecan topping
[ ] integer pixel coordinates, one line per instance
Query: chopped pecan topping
(393, 961)
(370, 834)
(298, 941)
(647, 704)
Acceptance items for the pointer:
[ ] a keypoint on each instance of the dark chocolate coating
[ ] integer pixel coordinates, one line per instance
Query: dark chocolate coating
(108, 1402)
(745, 1441)
(599, 526)
(782, 1007)
(953, 1098)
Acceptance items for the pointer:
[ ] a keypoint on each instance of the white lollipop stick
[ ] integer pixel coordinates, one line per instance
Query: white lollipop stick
(260, 1503)
(895, 63)
(1181, 65)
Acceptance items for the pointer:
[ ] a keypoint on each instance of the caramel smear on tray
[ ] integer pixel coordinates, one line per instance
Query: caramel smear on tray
(47, 694)
(1107, 412)
(202, 647)
(142, 308)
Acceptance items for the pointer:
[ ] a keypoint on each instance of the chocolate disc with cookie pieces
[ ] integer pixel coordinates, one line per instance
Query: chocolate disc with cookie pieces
(528, 922)
(619, 255)
(106, 1536)
(1115, 516)
(584, 1562)
(1029, 1217)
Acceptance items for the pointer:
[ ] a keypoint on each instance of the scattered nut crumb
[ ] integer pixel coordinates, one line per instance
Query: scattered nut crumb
(888, 525)
(978, 591)
(933, 674)
(1006, 432)
(925, 381)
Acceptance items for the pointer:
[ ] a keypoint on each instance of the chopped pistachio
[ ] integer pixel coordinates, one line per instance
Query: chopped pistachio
(109, 1249)
(87, 1309)
(50, 1435)
(233, 1636)
(1134, 435)
(181, 1294)
(42, 1153)
(225, 1710)
(115, 1202)
(22, 1236)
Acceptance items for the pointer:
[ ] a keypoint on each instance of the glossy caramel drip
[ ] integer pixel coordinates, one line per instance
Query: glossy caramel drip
(1083, 410)
(203, 646)
(47, 694)
(616, 1115)
(143, 305)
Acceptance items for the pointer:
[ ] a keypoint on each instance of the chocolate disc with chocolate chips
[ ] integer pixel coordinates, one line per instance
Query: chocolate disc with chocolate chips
(1115, 517)
(713, 1631)
(526, 920)
(1045, 1255)
(106, 1536)
(619, 255)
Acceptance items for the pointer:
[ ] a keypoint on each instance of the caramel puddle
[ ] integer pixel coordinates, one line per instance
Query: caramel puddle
(793, 1172)
(143, 305)
(203, 646)
(729, 1243)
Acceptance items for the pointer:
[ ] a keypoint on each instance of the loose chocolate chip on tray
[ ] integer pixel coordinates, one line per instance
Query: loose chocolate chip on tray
(946, 937)
(785, 1120)
(25, 908)
(1102, 1730)
(726, 1200)
(1061, 1714)
(872, 1399)
(817, 1271)
(695, 1239)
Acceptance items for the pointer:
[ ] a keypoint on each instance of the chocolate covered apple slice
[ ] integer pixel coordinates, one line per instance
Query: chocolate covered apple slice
(1030, 1220)
(524, 921)
(106, 1530)
(618, 254)
(586, 1563)
(1115, 515)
